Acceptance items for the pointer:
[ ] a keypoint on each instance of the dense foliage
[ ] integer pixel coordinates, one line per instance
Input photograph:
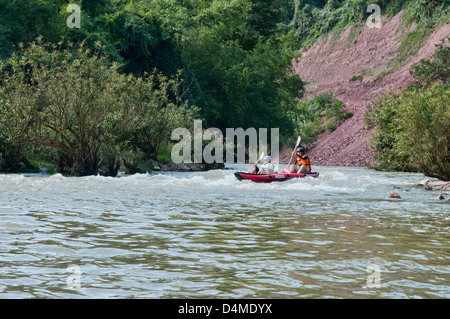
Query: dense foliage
(308, 20)
(233, 67)
(231, 53)
(317, 115)
(230, 58)
(77, 104)
(413, 125)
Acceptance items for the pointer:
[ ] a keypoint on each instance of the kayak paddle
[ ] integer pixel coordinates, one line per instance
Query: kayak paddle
(299, 139)
(259, 159)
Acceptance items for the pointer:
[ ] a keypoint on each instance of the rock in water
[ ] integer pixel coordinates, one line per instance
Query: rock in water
(394, 195)
(192, 167)
(437, 186)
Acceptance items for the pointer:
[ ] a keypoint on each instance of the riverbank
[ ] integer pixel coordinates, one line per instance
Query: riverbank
(186, 167)
(369, 55)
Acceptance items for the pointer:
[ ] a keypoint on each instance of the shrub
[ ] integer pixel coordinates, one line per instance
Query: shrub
(312, 117)
(437, 69)
(413, 130)
(78, 104)
(426, 124)
(413, 125)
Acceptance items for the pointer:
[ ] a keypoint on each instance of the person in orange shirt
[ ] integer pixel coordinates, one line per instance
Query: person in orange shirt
(303, 164)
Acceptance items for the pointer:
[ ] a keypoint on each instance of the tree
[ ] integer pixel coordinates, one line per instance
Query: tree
(151, 108)
(76, 102)
(413, 125)
(436, 69)
(426, 123)
(60, 98)
(24, 20)
(239, 63)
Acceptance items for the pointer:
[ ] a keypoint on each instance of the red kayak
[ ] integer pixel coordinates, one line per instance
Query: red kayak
(275, 177)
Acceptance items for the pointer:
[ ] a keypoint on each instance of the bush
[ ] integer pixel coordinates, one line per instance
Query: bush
(78, 104)
(312, 117)
(435, 70)
(359, 76)
(165, 153)
(413, 130)
(10, 155)
(413, 125)
(426, 125)
(388, 143)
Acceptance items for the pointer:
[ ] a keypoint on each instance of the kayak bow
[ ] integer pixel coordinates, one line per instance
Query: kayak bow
(275, 177)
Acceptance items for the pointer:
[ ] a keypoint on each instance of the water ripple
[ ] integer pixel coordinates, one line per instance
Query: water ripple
(203, 235)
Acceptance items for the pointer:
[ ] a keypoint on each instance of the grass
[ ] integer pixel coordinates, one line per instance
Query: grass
(411, 44)
(355, 31)
(359, 76)
(414, 40)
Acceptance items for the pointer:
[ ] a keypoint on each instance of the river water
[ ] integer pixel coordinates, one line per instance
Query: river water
(207, 235)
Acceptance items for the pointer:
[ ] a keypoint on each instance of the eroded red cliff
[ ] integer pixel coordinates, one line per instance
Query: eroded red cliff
(328, 66)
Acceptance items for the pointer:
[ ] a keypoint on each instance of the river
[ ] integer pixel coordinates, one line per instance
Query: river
(207, 235)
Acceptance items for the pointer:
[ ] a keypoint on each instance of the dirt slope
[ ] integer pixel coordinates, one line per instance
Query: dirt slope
(330, 63)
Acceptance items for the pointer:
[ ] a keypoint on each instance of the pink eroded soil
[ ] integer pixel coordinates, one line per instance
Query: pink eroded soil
(330, 63)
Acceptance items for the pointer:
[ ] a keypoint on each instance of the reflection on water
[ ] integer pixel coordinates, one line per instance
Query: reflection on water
(207, 235)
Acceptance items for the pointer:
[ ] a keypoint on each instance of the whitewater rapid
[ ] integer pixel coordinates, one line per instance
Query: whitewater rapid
(206, 234)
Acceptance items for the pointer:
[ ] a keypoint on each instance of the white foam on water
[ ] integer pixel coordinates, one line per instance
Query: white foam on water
(162, 229)
(330, 180)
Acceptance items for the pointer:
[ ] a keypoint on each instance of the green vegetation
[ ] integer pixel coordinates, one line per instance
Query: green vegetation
(436, 69)
(87, 100)
(226, 57)
(319, 114)
(164, 154)
(359, 76)
(413, 125)
(310, 20)
(76, 103)
(411, 44)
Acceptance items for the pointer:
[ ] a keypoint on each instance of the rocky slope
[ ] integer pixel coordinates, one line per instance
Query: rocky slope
(328, 66)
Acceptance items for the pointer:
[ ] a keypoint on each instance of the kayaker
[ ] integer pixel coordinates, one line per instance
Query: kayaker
(303, 164)
(266, 168)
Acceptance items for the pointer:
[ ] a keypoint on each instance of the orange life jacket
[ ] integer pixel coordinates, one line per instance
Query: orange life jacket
(303, 160)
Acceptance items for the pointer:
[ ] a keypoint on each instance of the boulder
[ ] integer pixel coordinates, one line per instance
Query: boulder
(191, 167)
(155, 164)
(437, 186)
(394, 195)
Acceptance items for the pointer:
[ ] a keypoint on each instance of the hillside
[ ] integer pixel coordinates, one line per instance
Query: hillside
(329, 65)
